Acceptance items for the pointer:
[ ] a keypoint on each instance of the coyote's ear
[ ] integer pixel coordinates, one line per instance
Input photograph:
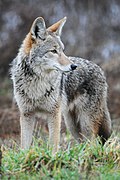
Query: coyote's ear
(57, 27)
(38, 29)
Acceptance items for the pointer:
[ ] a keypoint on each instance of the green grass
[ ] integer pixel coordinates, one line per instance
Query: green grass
(89, 160)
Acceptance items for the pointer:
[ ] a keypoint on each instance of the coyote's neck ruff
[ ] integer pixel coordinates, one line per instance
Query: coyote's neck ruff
(48, 82)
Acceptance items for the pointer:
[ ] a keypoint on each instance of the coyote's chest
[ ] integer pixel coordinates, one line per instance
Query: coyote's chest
(40, 91)
(37, 93)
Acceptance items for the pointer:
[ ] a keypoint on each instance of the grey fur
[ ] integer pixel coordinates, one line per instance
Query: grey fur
(86, 92)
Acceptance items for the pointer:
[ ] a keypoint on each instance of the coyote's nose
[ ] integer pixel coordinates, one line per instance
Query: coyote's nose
(73, 66)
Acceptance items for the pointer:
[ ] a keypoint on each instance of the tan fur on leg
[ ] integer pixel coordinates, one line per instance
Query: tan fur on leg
(54, 130)
(27, 126)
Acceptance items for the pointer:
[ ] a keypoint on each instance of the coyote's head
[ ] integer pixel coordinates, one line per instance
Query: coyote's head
(44, 48)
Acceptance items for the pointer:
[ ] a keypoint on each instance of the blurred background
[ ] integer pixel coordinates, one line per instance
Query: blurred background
(92, 31)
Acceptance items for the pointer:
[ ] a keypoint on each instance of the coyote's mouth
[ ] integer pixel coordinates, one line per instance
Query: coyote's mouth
(61, 70)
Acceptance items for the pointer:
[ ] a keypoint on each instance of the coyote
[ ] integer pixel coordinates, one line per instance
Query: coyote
(48, 82)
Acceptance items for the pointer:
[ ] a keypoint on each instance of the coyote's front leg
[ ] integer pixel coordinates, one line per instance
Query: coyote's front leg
(27, 125)
(54, 124)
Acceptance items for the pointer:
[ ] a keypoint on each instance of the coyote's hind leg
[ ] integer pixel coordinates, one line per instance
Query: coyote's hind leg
(102, 127)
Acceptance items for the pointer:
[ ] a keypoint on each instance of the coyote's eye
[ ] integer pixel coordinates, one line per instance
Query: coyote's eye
(54, 51)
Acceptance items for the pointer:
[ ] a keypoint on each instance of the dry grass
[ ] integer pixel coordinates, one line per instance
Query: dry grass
(89, 160)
